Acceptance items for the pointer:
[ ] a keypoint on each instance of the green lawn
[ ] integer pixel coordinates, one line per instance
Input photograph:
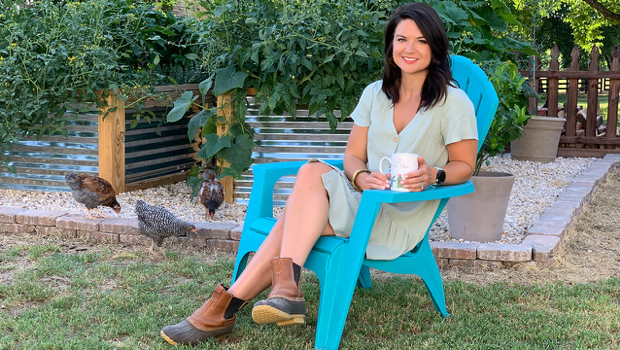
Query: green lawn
(101, 301)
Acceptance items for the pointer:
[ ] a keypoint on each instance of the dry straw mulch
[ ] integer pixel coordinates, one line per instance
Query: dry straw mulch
(589, 252)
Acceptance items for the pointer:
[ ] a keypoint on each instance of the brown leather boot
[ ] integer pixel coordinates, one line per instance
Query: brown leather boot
(285, 303)
(216, 317)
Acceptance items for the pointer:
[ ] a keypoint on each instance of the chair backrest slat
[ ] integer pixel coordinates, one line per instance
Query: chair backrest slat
(476, 84)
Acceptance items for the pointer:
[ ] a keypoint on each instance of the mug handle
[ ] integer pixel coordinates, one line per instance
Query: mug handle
(381, 165)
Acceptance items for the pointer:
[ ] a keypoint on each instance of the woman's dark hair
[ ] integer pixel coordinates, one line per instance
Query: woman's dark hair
(439, 76)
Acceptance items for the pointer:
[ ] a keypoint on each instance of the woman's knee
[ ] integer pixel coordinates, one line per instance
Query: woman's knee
(313, 169)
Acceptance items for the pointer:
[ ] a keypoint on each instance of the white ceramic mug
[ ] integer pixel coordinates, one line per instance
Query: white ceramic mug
(399, 165)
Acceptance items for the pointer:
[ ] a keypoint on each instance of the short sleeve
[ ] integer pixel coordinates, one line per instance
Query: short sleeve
(459, 120)
(361, 114)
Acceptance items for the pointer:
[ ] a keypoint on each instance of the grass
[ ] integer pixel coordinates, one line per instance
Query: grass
(105, 301)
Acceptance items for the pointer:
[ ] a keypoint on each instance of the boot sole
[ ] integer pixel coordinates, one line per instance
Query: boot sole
(265, 314)
(219, 335)
(166, 338)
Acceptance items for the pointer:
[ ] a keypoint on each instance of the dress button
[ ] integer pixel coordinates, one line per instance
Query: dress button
(395, 139)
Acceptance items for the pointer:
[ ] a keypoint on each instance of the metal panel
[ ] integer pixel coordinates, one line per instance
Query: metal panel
(155, 151)
(152, 151)
(284, 138)
(42, 164)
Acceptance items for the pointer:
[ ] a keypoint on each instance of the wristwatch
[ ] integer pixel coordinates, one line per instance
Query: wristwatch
(441, 176)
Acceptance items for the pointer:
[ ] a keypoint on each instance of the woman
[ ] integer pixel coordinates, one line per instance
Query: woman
(414, 109)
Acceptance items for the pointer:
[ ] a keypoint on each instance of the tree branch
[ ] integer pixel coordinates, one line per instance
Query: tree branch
(607, 13)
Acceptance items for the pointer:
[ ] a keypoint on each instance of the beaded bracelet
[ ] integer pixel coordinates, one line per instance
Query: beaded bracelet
(354, 177)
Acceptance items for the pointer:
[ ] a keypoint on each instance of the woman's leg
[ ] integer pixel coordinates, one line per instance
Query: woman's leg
(305, 219)
(307, 211)
(301, 224)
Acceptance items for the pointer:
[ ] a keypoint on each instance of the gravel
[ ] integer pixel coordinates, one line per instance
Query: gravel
(536, 187)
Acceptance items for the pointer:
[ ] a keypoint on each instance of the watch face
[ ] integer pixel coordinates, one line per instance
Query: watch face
(441, 177)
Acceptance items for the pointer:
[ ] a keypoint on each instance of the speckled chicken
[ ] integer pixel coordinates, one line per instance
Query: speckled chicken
(158, 223)
(92, 191)
(211, 193)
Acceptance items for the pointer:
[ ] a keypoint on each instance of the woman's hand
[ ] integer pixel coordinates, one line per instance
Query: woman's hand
(420, 179)
(375, 181)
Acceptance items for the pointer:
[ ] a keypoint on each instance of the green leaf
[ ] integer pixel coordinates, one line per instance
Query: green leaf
(204, 87)
(209, 128)
(191, 56)
(227, 79)
(156, 60)
(197, 122)
(181, 106)
(213, 145)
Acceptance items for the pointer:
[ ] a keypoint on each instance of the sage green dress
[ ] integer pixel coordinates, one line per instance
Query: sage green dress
(399, 227)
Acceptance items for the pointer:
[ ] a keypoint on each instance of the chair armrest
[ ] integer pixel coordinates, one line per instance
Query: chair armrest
(265, 177)
(439, 192)
(372, 199)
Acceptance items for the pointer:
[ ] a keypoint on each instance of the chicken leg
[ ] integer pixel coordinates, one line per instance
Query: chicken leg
(151, 252)
(90, 217)
(100, 213)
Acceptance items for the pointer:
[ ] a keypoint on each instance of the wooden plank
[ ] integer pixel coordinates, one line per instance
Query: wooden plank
(225, 109)
(590, 140)
(571, 75)
(592, 95)
(552, 90)
(570, 109)
(585, 152)
(614, 92)
(112, 143)
(169, 179)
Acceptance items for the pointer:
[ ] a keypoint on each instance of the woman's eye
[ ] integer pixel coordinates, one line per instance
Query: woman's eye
(422, 41)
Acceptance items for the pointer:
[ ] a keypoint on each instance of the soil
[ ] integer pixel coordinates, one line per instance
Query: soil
(589, 252)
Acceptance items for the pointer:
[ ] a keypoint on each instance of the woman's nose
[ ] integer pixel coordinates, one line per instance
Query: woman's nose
(410, 47)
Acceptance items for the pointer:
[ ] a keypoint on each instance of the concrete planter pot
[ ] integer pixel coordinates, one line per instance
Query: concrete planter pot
(539, 140)
(479, 216)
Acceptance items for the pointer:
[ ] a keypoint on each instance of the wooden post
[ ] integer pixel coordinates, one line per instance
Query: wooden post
(112, 143)
(552, 86)
(225, 109)
(573, 89)
(592, 96)
(614, 91)
(533, 107)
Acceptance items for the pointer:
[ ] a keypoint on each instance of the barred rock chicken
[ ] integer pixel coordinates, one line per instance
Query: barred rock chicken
(211, 193)
(158, 223)
(92, 191)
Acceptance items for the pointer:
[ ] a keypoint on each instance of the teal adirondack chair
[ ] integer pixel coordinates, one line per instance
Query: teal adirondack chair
(340, 263)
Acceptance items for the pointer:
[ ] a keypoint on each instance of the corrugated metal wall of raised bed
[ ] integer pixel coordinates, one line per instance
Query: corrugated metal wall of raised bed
(154, 151)
(282, 138)
(42, 164)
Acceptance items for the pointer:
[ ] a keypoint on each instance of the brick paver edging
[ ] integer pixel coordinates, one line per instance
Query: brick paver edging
(538, 248)
(543, 237)
(220, 236)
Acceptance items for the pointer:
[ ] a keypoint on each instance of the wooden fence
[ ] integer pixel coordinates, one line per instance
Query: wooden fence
(572, 142)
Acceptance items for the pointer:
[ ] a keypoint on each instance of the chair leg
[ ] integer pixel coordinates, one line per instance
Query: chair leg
(240, 262)
(364, 280)
(434, 285)
(432, 279)
(334, 305)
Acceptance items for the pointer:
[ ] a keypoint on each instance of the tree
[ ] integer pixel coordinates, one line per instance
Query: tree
(604, 10)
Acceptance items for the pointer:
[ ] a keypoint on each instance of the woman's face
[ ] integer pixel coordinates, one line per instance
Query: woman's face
(410, 50)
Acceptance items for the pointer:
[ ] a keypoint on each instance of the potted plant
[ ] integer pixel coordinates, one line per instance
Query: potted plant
(479, 216)
(539, 139)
